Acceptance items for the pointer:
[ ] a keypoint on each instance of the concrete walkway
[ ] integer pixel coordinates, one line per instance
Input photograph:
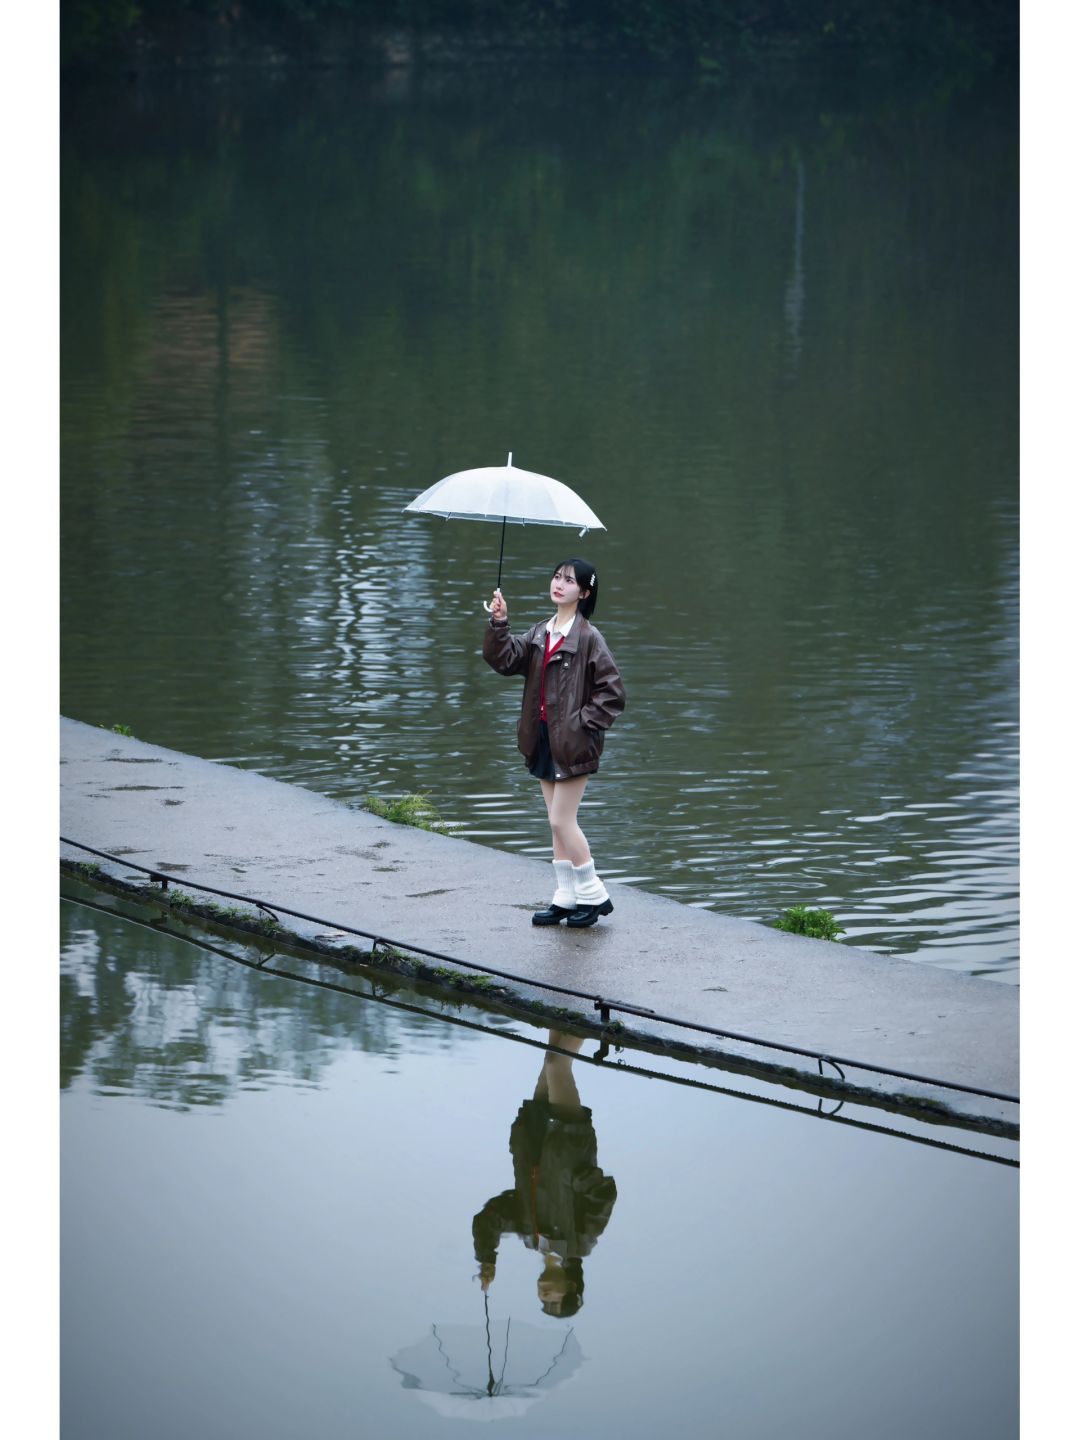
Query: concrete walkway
(230, 828)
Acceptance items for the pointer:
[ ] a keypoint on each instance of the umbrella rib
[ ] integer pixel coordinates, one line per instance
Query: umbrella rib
(506, 1351)
(455, 1373)
(556, 1360)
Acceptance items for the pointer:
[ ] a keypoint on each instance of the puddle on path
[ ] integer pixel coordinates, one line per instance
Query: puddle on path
(311, 1191)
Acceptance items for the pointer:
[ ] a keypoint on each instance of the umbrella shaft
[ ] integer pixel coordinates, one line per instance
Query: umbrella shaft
(502, 542)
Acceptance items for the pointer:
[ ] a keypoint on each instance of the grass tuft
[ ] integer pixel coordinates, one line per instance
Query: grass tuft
(416, 810)
(801, 920)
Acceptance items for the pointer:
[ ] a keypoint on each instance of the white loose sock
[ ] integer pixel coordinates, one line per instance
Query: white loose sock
(588, 888)
(564, 884)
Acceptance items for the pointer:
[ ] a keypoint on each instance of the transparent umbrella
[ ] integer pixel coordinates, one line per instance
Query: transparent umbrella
(505, 494)
(490, 1371)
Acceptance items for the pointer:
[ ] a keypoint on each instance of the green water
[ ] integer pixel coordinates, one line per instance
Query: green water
(766, 326)
(276, 1199)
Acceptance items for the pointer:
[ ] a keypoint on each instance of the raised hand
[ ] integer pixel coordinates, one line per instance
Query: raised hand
(498, 606)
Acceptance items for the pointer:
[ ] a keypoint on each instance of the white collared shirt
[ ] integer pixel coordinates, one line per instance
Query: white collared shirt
(563, 630)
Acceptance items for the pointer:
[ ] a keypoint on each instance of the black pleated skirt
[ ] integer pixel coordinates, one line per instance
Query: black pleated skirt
(542, 765)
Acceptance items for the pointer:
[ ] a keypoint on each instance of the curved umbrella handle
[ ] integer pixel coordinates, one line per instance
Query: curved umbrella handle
(486, 606)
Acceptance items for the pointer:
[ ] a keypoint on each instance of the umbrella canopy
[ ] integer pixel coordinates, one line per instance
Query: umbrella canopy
(506, 493)
(487, 1372)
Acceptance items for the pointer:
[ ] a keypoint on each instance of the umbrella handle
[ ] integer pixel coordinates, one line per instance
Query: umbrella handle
(488, 607)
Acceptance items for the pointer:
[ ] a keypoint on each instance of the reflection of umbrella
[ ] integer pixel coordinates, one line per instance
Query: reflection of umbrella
(480, 1373)
(502, 493)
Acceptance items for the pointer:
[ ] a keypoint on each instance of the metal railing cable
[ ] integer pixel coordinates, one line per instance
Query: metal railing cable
(600, 1003)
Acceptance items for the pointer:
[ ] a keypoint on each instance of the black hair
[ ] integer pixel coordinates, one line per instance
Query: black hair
(587, 578)
(569, 1304)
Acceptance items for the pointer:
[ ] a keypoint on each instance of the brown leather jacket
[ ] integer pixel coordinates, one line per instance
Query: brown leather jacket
(584, 693)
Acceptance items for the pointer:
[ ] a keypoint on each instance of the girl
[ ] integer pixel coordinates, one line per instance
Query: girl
(573, 693)
(561, 1200)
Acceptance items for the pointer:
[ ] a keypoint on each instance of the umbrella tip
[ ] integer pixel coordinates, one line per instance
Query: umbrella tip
(510, 459)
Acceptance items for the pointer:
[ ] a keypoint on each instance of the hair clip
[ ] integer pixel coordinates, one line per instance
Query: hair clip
(592, 579)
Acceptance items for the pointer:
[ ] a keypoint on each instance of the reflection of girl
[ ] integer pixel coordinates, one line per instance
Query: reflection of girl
(573, 694)
(561, 1200)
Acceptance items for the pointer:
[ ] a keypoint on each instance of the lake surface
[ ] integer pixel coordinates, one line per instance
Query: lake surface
(276, 1199)
(766, 325)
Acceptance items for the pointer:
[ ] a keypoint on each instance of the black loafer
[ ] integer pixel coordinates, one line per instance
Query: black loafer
(552, 915)
(588, 914)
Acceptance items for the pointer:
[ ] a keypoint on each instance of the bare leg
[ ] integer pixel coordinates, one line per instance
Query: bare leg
(568, 841)
(559, 1074)
(548, 789)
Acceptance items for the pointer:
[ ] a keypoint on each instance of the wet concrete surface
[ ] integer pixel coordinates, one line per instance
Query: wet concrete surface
(212, 823)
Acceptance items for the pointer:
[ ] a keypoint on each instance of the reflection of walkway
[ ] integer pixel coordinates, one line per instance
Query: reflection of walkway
(561, 1200)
